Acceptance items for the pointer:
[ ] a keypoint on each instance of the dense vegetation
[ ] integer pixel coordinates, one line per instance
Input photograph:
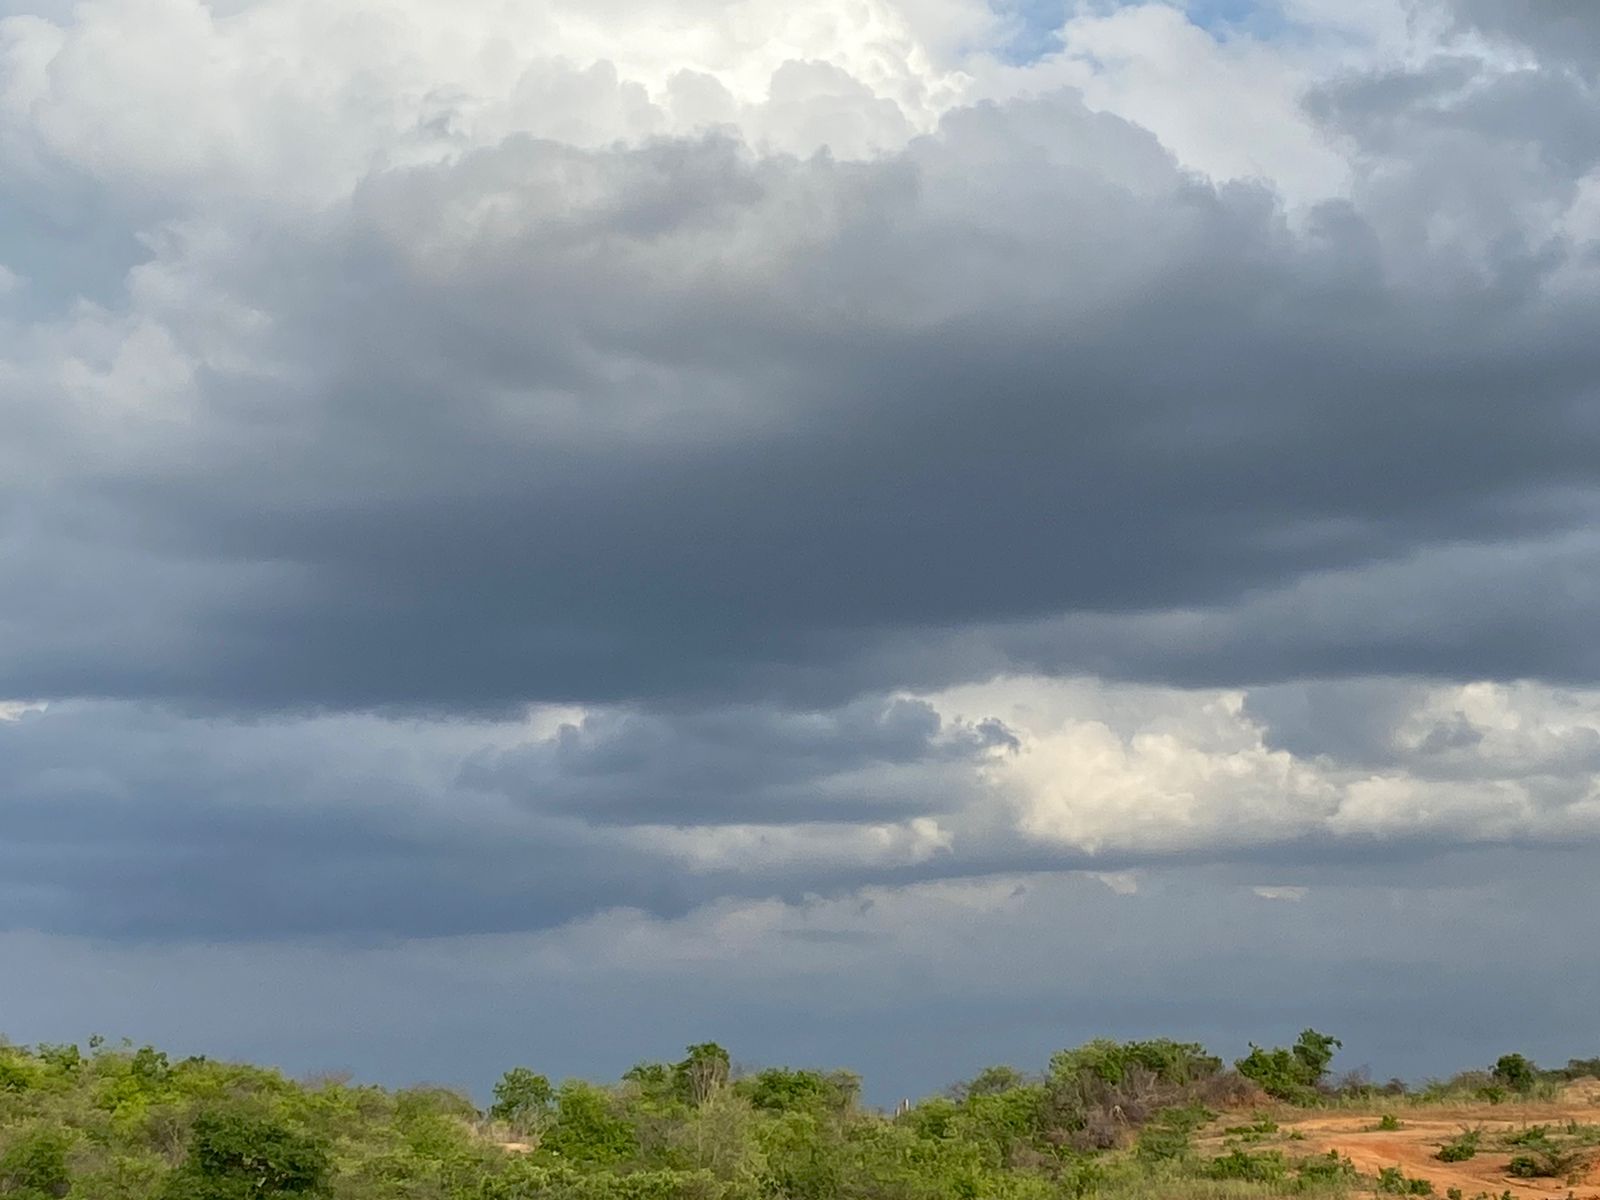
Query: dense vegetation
(1108, 1119)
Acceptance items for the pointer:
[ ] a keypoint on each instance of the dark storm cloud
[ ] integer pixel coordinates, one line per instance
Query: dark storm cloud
(131, 822)
(676, 420)
(1513, 609)
(747, 764)
(197, 829)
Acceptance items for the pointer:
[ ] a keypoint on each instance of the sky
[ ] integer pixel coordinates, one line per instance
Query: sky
(898, 534)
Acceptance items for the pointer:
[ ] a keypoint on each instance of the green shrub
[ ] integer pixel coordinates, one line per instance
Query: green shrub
(1580, 1068)
(1537, 1136)
(1291, 1074)
(1169, 1134)
(1525, 1166)
(17, 1071)
(1388, 1123)
(64, 1058)
(1460, 1149)
(1326, 1170)
(1393, 1181)
(1170, 1062)
(1266, 1167)
(1543, 1157)
(1262, 1126)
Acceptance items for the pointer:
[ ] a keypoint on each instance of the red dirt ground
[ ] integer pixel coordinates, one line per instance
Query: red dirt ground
(1413, 1146)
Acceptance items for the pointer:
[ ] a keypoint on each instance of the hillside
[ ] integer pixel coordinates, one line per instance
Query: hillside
(1156, 1118)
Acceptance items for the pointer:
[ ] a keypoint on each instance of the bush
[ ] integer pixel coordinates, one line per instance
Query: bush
(1394, 1182)
(1327, 1170)
(1267, 1167)
(1292, 1074)
(1261, 1127)
(1094, 1095)
(1580, 1068)
(1172, 1063)
(1460, 1149)
(1168, 1135)
(17, 1073)
(1525, 1166)
(1544, 1158)
(1388, 1123)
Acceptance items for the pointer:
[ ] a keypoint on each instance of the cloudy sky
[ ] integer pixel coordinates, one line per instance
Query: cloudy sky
(891, 533)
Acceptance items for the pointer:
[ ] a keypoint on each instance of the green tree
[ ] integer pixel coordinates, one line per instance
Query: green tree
(588, 1127)
(235, 1155)
(149, 1067)
(703, 1071)
(65, 1058)
(18, 1072)
(992, 1080)
(35, 1166)
(719, 1137)
(1314, 1052)
(1515, 1072)
(523, 1099)
(1293, 1074)
(779, 1089)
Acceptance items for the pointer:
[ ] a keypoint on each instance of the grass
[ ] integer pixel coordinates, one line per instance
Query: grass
(1179, 1182)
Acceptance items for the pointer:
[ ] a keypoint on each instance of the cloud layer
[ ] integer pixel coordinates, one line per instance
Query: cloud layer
(484, 472)
(392, 412)
(126, 821)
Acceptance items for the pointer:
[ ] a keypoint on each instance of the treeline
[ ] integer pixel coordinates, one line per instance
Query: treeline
(1107, 1118)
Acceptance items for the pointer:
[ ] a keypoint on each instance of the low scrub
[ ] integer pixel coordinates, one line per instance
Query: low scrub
(1462, 1148)
(1392, 1181)
(1107, 1121)
(1269, 1166)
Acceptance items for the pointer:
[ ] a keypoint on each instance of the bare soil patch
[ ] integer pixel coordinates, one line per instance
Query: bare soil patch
(1414, 1147)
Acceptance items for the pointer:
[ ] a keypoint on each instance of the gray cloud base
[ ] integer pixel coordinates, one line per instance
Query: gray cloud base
(683, 420)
